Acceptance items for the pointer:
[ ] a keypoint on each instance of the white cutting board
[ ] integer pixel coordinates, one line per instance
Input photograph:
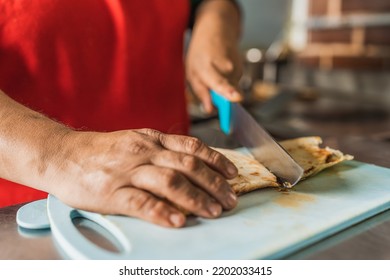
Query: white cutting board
(266, 224)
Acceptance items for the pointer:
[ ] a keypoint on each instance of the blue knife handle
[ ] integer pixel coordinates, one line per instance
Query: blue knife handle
(224, 107)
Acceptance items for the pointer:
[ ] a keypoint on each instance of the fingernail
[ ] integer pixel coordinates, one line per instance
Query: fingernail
(176, 219)
(215, 209)
(232, 199)
(231, 169)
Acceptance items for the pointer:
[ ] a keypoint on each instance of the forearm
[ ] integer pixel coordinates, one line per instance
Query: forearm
(30, 145)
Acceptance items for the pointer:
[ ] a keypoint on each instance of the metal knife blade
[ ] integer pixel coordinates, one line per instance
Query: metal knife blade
(247, 131)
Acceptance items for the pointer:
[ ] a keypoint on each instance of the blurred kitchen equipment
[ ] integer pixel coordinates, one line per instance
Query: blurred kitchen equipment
(263, 65)
(252, 70)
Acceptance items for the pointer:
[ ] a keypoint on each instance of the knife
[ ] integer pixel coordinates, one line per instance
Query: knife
(237, 122)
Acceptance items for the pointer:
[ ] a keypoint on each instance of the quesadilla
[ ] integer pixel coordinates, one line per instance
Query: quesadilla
(251, 173)
(305, 151)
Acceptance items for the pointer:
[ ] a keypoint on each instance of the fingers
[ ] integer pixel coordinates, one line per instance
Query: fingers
(187, 173)
(220, 75)
(218, 82)
(140, 204)
(203, 94)
(197, 172)
(233, 71)
(195, 147)
(172, 185)
(224, 65)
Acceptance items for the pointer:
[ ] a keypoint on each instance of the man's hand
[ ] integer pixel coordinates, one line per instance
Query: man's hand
(144, 173)
(213, 59)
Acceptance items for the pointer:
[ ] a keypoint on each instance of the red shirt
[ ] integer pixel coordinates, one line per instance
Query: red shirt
(98, 65)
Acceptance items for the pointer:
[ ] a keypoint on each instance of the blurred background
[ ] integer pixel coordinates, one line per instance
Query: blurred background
(314, 67)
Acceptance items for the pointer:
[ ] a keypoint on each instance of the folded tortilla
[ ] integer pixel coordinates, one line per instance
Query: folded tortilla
(305, 151)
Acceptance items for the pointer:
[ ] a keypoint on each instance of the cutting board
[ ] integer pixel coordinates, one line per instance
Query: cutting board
(266, 224)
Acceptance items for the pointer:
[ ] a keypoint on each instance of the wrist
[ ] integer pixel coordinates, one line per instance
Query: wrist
(218, 20)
